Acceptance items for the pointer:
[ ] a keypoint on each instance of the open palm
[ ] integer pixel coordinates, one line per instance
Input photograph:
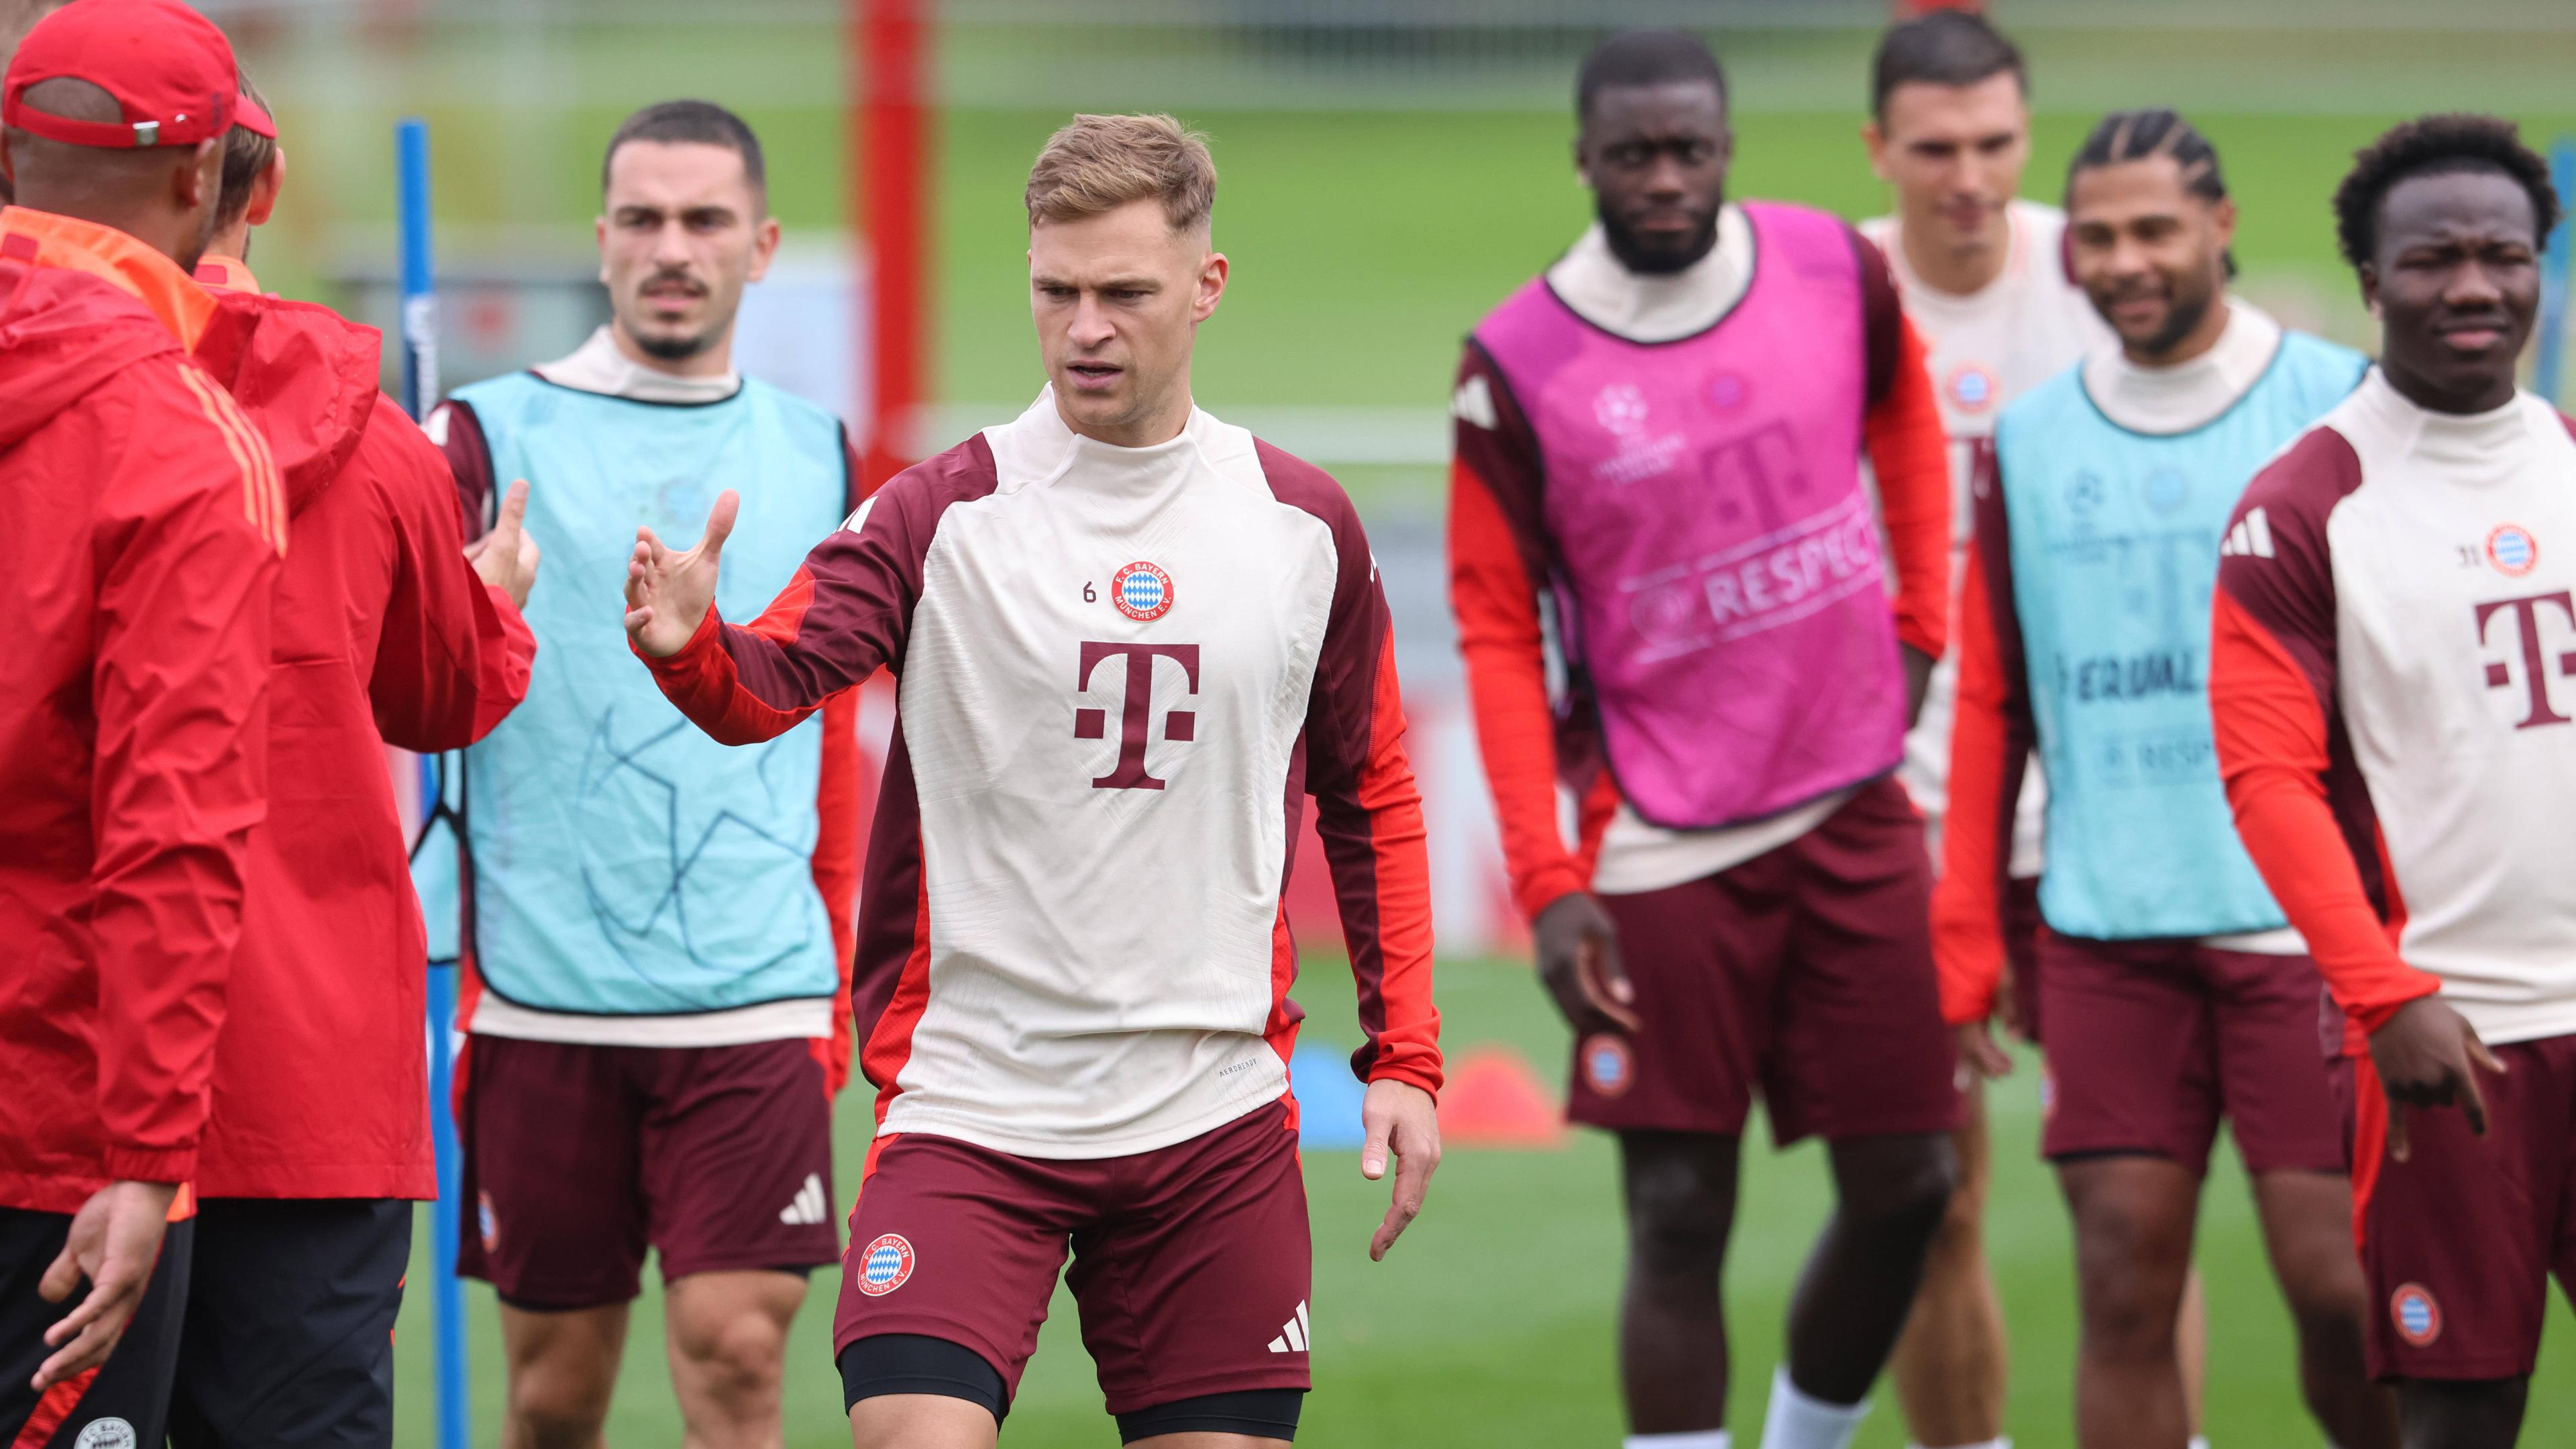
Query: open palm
(667, 593)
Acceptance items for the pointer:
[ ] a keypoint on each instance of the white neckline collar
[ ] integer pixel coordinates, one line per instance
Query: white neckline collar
(599, 366)
(1601, 290)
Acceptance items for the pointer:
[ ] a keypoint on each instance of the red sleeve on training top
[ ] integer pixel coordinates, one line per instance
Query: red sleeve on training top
(1367, 812)
(836, 840)
(1498, 567)
(1990, 742)
(2301, 806)
(846, 611)
(1909, 451)
(453, 656)
(836, 864)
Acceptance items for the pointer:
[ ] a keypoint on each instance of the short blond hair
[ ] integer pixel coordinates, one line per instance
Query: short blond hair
(1101, 163)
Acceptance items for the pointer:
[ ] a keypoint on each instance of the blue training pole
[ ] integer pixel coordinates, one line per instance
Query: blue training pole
(2549, 367)
(420, 394)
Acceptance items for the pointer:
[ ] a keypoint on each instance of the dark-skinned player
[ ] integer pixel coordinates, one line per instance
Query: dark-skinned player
(2175, 993)
(2392, 647)
(1660, 440)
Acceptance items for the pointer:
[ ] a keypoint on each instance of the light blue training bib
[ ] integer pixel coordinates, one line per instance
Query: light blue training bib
(2115, 540)
(622, 862)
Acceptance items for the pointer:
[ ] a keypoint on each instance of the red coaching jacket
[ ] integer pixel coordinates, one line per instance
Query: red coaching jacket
(384, 635)
(140, 527)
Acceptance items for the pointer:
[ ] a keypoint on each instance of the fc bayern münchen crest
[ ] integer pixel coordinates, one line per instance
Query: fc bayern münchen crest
(885, 1266)
(2513, 550)
(1141, 591)
(1607, 1066)
(2418, 1316)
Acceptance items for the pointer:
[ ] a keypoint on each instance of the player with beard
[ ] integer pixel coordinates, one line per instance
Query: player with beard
(658, 928)
(2175, 995)
(1983, 277)
(2391, 650)
(1660, 440)
(1076, 963)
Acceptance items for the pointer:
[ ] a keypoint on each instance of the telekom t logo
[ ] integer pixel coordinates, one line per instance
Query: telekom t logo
(2526, 613)
(1135, 719)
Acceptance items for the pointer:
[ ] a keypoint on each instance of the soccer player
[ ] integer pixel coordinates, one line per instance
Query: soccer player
(1132, 641)
(1661, 437)
(658, 928)
(2174, 992)
(315, 1141)
(1983, 277)
(145, 523)
(2391, 645)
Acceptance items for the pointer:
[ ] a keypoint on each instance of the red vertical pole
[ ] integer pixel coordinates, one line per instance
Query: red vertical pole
(889, 147)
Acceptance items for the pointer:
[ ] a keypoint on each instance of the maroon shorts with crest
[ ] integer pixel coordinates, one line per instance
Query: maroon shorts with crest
(1190, 1262)
(1805, 972)
(2460, 1240)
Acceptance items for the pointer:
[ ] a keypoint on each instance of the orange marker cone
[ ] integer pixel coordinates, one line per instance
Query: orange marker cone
(1494, 1099)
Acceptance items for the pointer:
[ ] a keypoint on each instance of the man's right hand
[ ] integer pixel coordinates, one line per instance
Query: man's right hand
(668, 594)
(114, 1240)
(506, 558)
(1578, 962)
(2427, 1056)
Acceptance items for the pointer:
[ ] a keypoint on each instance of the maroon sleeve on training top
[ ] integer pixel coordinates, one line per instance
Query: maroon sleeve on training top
(847, 610)
(459, 435)
(1368, 812)
(1882, 314)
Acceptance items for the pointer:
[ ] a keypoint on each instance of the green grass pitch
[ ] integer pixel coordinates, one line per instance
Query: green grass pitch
(1489, 1325)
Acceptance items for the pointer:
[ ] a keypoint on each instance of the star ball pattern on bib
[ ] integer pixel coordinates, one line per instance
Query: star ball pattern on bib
(1141, 591)
(885, 1266)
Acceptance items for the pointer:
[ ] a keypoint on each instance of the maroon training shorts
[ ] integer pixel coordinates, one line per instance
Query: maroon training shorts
(2151, 1042)
(1190, 1262)
(1807, 970)
(2460, 1240)
(577, 1157)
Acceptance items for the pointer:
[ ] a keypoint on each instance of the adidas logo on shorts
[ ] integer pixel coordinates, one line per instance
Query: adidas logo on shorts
(1295, 1335)
(809, 1206)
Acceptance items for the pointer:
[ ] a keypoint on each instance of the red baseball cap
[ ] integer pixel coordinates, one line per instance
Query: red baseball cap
(170, 69)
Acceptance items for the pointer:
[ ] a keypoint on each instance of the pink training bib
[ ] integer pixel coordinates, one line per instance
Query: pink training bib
(1719, 578)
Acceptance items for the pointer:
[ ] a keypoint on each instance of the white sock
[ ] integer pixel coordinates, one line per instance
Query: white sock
(1690, 1439)
(2200, 1441)
(1796, 1421)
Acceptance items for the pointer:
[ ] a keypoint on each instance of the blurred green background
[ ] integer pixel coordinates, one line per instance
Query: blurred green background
(1390, 169)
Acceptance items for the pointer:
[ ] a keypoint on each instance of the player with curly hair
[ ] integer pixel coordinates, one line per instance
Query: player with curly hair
(2393, 640)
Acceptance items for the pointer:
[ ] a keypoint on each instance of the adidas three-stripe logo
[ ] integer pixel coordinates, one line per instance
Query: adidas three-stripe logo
(2250, 538)
(809, 1206)
(1294, 1337)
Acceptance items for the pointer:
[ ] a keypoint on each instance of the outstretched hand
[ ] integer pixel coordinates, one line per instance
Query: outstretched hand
(1399, 1118)
(668, 594)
